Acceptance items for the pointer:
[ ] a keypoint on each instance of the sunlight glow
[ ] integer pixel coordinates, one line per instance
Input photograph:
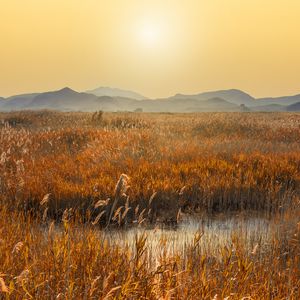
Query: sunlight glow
(150, 34)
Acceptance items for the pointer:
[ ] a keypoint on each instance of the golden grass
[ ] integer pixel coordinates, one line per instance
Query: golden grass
(206, 162)
(60, 174)
(79, 262)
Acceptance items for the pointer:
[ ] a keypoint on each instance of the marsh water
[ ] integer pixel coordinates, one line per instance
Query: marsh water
(215, 232)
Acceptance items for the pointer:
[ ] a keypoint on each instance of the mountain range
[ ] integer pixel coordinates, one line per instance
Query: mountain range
(114, 92)
(112, 99)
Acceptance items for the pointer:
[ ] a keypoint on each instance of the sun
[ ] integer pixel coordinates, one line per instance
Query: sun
(150, 34)
(155, 37)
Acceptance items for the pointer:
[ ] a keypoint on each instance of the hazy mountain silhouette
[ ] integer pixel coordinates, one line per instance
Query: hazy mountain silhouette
(286, 100)
(213, 104)
(114, 92)
(67, 99)
(2, 102)
(293, 107)
(234, 96)
(268, 108)
(23, 96)
(18, 102)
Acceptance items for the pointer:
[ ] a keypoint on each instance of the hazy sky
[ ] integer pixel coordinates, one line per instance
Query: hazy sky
(155, 47)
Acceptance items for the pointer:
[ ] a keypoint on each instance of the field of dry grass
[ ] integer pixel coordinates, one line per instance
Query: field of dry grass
(64, 176)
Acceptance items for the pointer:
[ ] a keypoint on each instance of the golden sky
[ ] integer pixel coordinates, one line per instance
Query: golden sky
(157, 47)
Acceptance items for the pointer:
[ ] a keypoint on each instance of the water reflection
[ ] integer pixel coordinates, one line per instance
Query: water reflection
(216, 232)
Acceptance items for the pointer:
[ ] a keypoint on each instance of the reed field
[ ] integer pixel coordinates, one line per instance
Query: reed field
(93, 205)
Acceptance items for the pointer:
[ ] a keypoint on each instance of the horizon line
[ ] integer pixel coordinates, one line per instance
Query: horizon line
(88, 91)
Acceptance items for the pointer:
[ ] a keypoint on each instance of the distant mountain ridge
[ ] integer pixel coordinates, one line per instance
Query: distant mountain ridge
(108, 99)
(286, 100)
(234, 96)
(294, 107)
(115, 92)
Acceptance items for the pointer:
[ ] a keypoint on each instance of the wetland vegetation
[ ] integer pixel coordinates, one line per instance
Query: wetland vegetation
(149, 206)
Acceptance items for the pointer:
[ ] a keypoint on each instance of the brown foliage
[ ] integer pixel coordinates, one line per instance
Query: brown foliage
(65, 167)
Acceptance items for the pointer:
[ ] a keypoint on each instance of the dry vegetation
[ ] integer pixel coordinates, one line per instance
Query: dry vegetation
(61, 180)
